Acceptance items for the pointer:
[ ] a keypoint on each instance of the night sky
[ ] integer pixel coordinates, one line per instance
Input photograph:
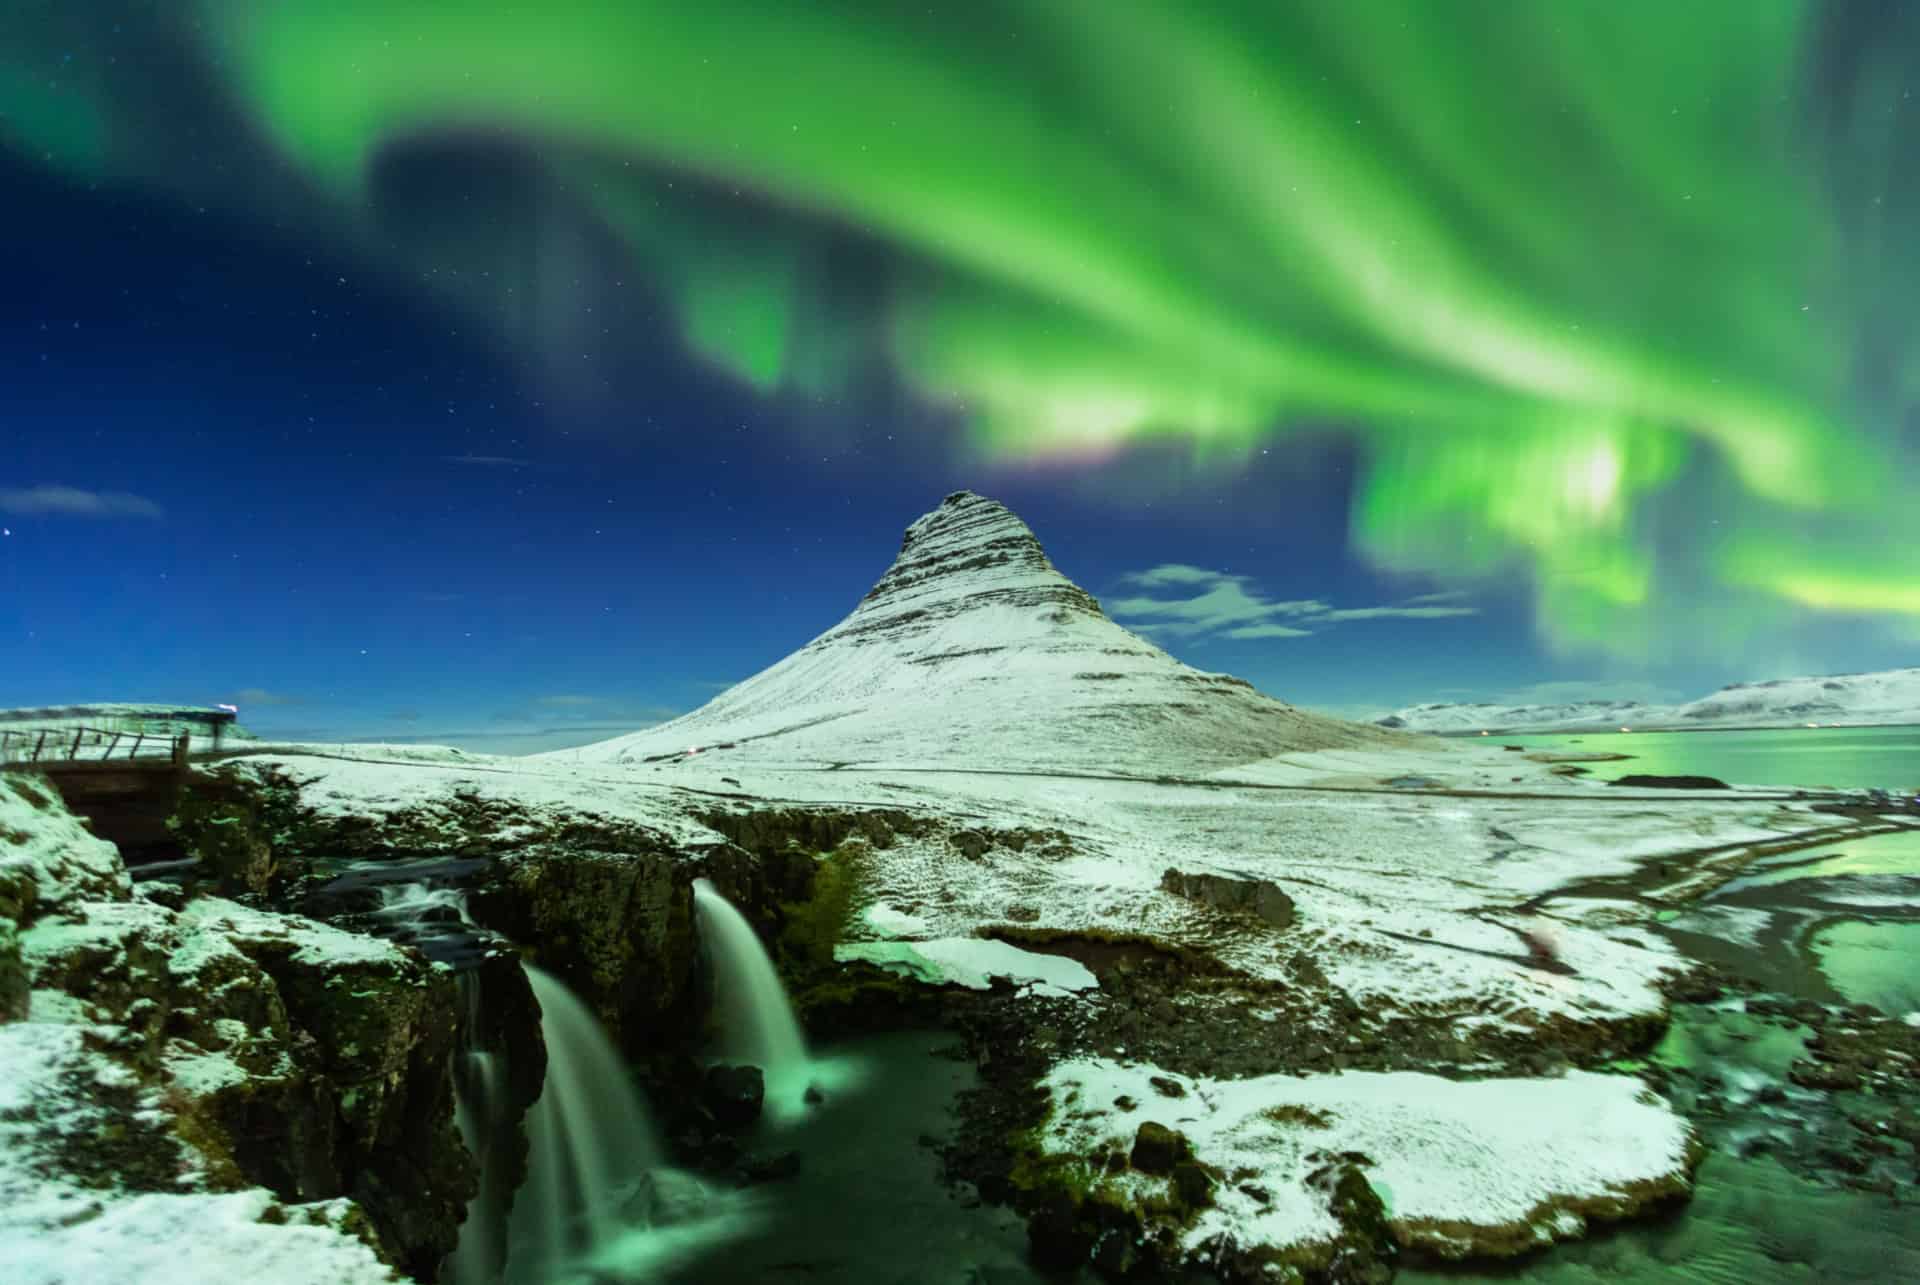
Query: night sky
(519, 374)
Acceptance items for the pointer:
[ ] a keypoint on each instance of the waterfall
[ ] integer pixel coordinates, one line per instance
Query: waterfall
(480, 1111)
(757, 1025)
(597, 1195)
(591, 1140)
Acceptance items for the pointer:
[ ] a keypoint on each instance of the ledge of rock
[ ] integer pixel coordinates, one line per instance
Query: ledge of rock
(241, 1049)
(1233, 895)
(617, 927)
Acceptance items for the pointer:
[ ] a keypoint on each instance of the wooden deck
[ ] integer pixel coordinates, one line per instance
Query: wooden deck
(125, 785)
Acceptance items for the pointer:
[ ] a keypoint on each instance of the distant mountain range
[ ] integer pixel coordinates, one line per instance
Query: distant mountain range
(973, 650)
(1889, 697)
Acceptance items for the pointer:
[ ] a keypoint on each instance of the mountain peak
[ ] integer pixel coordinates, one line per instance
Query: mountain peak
(968, 552)
(973, 651)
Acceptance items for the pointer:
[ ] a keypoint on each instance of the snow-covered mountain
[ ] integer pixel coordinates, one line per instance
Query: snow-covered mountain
(972, 650)
(1888, 697)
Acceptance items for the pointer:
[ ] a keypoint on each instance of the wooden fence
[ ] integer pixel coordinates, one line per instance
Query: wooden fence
(48, 745)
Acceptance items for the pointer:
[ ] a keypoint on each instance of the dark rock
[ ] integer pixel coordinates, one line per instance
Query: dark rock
(1167, 1087)
(1648, 781)
(665, 1197)
(1114, 1254)
(14, 987)
(1828, 1076)
(970, 844)
(1056, 1239)
(1157, 1149)
(1233, 895)
(734, 1094)
(813, 1097)
(767, 1167)
(226, 833)
(1125, 1103)
(1305, 971)
(616, 927)
(1193, 1185)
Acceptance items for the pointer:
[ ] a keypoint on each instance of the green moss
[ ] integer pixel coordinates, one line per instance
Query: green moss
(225, 836)
(29, 790)
(14, 984)
(815, 925)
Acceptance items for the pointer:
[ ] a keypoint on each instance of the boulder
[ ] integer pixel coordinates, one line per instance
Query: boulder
(616, 927)
(734, 1094)
(1192, 1184)
(252, 1049)
(1234, 895)
(1642, 780)
(1157, 1149)
(759, 1167)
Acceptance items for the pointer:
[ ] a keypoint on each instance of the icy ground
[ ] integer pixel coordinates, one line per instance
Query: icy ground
(1413, 890)
(73, 1115)
(1425, 900)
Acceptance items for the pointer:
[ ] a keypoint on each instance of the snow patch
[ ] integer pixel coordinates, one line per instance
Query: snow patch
(972, 962)
(53, 1232)
(1487, 1153)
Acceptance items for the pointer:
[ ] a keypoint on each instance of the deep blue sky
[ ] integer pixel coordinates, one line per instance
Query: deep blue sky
(463, 439)
(371, 525)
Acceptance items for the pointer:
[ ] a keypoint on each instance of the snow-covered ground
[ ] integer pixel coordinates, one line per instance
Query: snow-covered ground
(981, 692)
(1885, 698)
(56, 1231)
(62, 1092)
(1519, 1154)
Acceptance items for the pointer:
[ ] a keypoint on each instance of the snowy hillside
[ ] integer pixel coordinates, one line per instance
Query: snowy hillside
(972, 648)
(1483, 717)
(1892, 696)
(1889, 697)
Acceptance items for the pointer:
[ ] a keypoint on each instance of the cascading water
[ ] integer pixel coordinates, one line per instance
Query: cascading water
(756, 1024)
(591, 1139)
(597, 1201)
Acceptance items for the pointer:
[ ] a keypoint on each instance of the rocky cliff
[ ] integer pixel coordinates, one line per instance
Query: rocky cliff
(198, 1050)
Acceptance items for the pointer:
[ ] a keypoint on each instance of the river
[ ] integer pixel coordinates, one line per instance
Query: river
(1886, 758)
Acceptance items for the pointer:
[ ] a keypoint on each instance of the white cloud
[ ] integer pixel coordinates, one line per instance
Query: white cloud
(1222, 604)
(1268, 631)
(1404, 613)
(1230, 606)
(71, 501)
(1172, 573)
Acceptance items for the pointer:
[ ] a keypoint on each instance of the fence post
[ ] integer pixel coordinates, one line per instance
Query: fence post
(135, 747)
(36, 746)
(73, 752)
(108, 752)
(180, 749)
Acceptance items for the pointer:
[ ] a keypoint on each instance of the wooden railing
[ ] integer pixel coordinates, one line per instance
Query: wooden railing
(89, 745)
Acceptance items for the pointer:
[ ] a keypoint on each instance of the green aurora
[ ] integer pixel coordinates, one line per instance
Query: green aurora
(1614, 292)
